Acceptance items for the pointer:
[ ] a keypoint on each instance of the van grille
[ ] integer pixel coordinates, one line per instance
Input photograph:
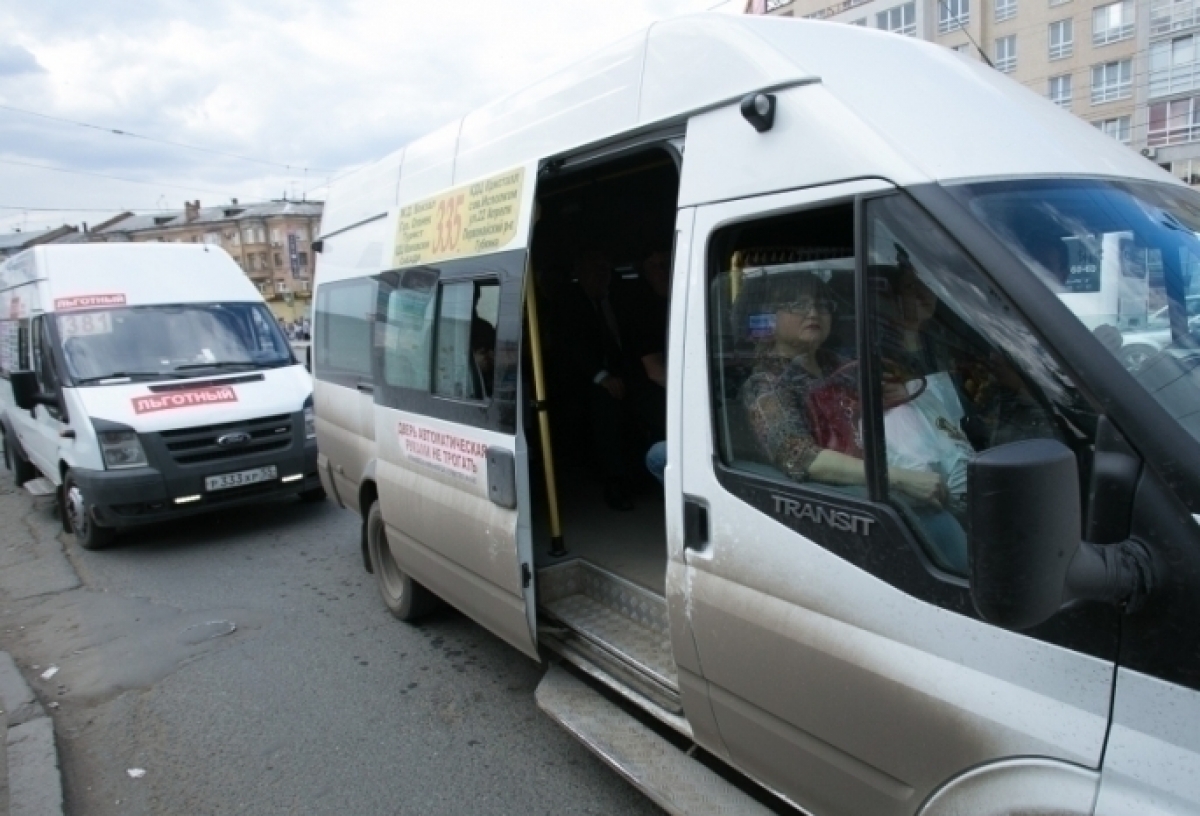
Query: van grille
(190, 446)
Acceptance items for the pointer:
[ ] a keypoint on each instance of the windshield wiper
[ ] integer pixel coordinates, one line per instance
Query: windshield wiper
(126, 375)
(216, 364)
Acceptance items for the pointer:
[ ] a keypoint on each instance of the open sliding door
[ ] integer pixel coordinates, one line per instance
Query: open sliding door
(446, 353)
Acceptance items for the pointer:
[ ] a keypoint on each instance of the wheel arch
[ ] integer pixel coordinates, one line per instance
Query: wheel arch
(1018, 785)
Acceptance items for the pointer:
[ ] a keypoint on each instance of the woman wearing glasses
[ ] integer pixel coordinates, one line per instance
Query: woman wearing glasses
(802, 398)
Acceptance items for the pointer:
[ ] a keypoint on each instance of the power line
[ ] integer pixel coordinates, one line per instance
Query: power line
(113, 178)
(118, 132)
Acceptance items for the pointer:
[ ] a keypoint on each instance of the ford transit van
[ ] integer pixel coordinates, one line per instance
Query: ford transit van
(144, 382)
(926, 538)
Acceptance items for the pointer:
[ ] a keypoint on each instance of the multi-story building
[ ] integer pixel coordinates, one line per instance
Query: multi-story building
(1129, 67)
(271, 241)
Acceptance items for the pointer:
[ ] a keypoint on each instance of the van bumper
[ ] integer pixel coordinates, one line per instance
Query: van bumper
(127, 498)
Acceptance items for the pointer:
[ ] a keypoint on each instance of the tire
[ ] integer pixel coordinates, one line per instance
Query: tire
(1134, 356)
(404, 597)
(317, 494)
(22, 469)
(78, 512)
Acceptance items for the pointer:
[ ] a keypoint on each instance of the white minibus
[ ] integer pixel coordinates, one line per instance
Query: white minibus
(145, 382)
(925, 541)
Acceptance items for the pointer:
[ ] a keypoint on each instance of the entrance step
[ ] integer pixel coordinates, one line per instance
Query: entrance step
(667, 775)
(613, 614)
(40, 486)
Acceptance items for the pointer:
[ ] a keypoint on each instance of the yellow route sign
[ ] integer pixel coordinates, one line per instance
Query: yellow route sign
(468, 220)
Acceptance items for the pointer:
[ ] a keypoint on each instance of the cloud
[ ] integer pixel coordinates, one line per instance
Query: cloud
(308, 84)
(15, 61)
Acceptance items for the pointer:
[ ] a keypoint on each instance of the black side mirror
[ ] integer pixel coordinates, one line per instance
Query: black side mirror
(25, 389)
(1027, 557)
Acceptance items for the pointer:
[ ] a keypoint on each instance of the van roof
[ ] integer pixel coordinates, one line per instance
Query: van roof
(944, 116)
(141, 273)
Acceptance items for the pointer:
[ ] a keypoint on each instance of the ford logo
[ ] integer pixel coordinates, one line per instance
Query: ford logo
(233, 440)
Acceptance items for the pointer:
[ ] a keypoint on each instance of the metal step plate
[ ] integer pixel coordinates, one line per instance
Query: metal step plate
(40, 486)
(627, 620)
(673, 780)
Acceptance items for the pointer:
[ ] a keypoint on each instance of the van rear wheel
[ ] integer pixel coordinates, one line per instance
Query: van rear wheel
(78, 511)
(404, 597)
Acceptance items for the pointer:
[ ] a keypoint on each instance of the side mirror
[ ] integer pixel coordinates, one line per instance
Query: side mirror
(25, 389)
(1027, 557)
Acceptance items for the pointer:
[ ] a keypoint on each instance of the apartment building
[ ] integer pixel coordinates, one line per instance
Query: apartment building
(271, 241)
(1131, 67)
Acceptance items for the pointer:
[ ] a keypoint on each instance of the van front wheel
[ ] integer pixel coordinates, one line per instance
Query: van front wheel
(404, 597)
(78, 510)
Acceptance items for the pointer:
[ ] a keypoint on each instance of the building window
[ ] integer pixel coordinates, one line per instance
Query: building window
(1006, 54)
(1112, 81)
(1112, 22)
(274, 235)
(1174, 122)
(278, 260)
(1174, 66)
(861, 21)
(281, 287)
(1060, 90)
(1005, 10)
(1118, 128)
(1173, 15)
(899, 20)
(953, 15)
(1062, 39)
(1059, 2)
(964, 48)
(212, 238)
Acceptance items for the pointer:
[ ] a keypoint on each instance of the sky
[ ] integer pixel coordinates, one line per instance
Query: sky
(257, 100)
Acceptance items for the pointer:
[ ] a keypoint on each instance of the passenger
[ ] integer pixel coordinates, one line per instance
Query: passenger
(651, 352)
(592, 336)
(483, 356)
(803, 405)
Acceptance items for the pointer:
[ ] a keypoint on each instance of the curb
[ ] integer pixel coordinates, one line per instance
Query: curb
(34, 784)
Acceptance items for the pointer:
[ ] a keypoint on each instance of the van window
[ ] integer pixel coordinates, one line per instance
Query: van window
(960, 373)
(14, 346)
(784, 355)
(466, 340)
(408, 327)
(343, 336)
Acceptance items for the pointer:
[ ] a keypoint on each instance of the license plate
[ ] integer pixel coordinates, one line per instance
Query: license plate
(242, 477)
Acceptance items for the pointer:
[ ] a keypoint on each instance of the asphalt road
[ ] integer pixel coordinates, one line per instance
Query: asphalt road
(245, 663)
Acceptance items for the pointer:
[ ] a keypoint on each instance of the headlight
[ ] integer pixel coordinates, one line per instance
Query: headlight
(310, 424)
(121, 449)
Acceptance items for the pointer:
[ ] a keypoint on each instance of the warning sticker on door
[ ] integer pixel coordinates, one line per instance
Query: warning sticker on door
(183, 399)
(88, 302)
(451, 454)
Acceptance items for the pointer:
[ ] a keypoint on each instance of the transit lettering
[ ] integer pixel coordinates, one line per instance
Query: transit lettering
(841, 520)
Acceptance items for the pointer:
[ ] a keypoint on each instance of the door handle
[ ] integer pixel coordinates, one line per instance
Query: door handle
(695, 525)
(366, 388)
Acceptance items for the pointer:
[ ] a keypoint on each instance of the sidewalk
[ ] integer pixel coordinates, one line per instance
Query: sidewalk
(30, 784)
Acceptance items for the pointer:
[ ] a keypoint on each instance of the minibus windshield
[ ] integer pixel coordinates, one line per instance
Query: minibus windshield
(153, 342)
(1125, 258)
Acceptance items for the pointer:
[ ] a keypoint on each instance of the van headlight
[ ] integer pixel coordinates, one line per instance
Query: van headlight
(121, 449)
(310, 424)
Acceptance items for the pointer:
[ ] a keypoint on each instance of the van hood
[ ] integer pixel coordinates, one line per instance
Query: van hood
(164, 405)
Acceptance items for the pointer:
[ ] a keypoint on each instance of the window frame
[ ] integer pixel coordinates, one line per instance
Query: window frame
(1113, 34)
(1008, 63)
(499, 413)
(1065, 47)
(483, 278)
(1062, 100)
(322, 369)
(1114, 91)
(1005, 10)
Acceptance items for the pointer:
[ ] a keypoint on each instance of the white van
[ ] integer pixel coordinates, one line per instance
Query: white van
(146, 382)
(925, 542)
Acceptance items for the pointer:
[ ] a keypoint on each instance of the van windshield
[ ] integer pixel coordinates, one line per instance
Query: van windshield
(144, 342)
(1125, 258)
